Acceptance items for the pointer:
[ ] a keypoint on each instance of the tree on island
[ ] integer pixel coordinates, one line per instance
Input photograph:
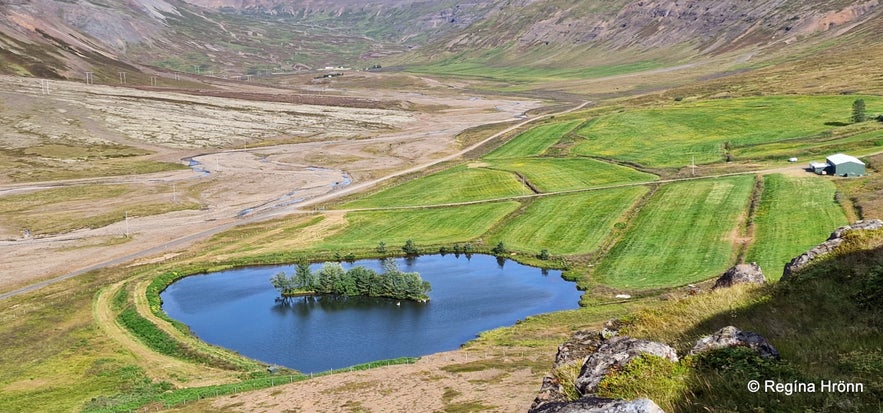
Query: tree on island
(332, 279)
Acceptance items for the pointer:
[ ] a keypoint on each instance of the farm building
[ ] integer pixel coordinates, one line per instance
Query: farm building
(839, 164)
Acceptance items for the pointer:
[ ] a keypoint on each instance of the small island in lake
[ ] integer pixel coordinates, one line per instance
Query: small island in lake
(332, 279)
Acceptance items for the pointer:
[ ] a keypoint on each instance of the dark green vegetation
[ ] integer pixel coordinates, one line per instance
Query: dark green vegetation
(825, 322)
(332, 279)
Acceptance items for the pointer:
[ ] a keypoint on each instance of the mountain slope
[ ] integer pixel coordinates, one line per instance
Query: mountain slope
(556, 31)
(53, 38)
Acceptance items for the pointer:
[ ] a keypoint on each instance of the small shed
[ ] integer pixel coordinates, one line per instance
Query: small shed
(845, 165)
(818, 167)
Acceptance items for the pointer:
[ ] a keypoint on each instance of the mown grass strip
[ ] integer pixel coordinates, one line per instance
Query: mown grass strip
(424, 226)
(458, 184)
(551, 175)
(568, 224)
(795, 214)
(674, 136)
(533, 142)
(683, 234)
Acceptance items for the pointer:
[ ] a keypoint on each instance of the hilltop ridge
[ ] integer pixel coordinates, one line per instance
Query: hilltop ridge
(63, 39)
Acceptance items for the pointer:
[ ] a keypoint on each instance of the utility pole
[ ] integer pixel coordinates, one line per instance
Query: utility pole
(122, 78)
(693, 165)
(44, 86)
(153, 81)
(90, 78)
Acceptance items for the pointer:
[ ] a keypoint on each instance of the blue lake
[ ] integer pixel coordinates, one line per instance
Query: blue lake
(237, 310)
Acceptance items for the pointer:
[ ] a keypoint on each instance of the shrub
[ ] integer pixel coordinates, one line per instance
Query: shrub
(409, 248)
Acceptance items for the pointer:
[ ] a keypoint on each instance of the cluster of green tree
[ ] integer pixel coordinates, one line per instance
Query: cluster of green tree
(358, 281)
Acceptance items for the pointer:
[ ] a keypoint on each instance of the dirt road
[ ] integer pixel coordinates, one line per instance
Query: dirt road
(349, 150)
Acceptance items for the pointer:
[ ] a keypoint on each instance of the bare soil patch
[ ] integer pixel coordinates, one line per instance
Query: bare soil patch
(335, 148)
(434, 383)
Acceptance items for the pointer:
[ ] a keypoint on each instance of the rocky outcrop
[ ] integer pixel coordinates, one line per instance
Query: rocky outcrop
(575, 350)
(826, 247)
(615, 353)
(733, 337)
(741, 274)
(598, 353)
(599, 405)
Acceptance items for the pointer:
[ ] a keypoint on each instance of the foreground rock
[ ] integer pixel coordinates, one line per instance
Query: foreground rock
(575, 350)
(741, 274)
(733, 337)
(826, 247)
(598, 405)
(597, 353)
(615, 353)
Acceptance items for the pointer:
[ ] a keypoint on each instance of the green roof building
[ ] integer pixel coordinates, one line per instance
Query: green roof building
(845, 165)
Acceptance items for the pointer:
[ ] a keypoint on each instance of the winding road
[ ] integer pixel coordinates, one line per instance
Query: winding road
(303, 207)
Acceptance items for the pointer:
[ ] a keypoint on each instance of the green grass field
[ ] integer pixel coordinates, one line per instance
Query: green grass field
(458, 184)
(550, 175)
(366, 229)
(568, 224)
(683, 234)
(533, 142)
(795, 214)
(672, 136)
(856, 141)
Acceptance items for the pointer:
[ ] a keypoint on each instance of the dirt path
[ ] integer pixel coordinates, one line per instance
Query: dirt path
(202, 228)
(156, 365)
